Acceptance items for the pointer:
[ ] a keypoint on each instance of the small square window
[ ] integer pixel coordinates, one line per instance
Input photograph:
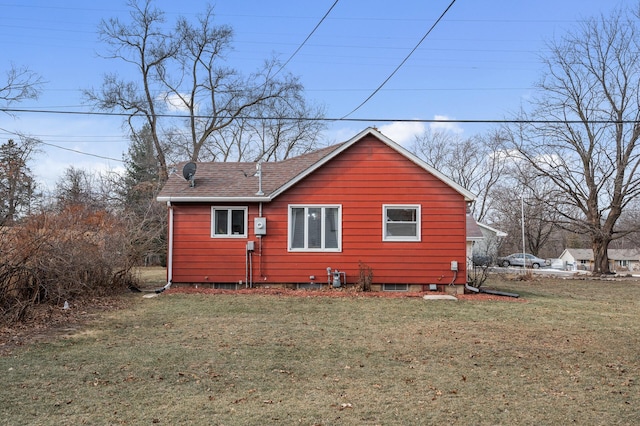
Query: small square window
(401, 223)
(229, 222)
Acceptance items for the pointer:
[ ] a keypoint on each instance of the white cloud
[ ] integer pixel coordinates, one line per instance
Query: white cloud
(175, 103)
(339, 134)
(448, 127)
(101, 139)
(402, 132)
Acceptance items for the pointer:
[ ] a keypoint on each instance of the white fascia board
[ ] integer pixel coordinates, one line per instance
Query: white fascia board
(179, 199)
(498, 233)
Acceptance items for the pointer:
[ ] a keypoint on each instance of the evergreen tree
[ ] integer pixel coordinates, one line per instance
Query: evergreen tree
(141, 180)
(139, 187)
(17, 185)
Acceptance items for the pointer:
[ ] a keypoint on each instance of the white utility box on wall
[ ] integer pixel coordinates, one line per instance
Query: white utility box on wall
(260, 225)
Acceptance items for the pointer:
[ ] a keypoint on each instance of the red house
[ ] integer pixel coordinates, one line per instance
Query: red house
(365, 207)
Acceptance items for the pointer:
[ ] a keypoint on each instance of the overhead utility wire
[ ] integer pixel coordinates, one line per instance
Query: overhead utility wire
(403, 61)
(373, 120)
(61, 147)
(81, 152)
(308, 37)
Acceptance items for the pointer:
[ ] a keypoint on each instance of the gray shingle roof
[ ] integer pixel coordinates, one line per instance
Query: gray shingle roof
(473, 230)
(612, 254)
(229, 180)
(220, 181)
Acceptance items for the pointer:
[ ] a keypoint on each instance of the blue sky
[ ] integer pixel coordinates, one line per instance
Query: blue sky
(479, 63)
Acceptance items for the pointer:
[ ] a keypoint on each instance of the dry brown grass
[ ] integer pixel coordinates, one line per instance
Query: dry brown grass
(152, 276)
(567, 355)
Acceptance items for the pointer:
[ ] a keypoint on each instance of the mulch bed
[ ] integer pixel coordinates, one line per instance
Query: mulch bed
(338, 293)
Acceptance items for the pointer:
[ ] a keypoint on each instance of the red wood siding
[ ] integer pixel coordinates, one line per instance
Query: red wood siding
(199, 258)
(362, 179)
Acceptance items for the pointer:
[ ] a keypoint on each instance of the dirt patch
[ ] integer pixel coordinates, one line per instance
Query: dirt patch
(46, 321)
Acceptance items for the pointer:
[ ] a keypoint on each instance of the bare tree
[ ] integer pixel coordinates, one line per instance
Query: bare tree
(186, 93)
(78, 187)
(289, 127)
(20, 83)
(475, 163)
(629, 219)
(522, 195)
(147, 46)
(583, 131)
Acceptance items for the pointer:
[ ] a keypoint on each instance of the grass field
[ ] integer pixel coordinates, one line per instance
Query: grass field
(569, 354)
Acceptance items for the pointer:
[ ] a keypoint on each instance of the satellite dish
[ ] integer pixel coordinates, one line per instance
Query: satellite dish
(189, 172)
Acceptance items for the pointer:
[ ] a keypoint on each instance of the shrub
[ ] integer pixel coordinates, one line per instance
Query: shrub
(53, 257)
(365, 277)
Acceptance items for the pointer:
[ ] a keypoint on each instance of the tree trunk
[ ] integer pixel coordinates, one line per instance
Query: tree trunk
(600, 257)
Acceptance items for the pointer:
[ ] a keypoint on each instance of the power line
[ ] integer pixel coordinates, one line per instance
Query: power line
(329, 119)
(403, 61)
(82, 152)
(308, 37)
(63, 148)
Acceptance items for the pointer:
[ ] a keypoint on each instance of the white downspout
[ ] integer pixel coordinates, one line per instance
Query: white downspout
(260, 244)
(170, 248)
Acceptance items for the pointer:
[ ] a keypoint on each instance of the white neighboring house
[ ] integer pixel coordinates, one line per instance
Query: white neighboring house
(490, 243)
(620, 260)
(474, 236)
(482, 240)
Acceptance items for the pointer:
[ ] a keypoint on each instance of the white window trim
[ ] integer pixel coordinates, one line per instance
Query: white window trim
(306, 225)
(416, 238)
(229, 208)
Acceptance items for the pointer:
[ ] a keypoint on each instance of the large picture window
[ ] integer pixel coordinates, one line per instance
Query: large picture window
(229, 222)
(401, 223)
(315, 228)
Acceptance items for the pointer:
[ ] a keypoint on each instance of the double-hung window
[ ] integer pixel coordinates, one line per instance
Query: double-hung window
(315, 228)
(228, 222)
(401, 222)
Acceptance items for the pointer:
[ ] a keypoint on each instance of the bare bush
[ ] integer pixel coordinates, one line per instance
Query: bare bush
(477, 275)
(365, 277)
(53, 257)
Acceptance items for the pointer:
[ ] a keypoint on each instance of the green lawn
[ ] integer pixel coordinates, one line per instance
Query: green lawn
(569, 354)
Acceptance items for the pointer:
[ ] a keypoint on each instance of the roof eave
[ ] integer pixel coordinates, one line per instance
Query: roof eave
(500, 234)
(192, 199)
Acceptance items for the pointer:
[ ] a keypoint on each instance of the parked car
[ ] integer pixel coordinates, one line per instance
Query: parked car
(516, 259)
(481, 260)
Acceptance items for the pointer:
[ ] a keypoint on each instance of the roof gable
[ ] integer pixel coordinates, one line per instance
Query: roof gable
(490, 230)
(612, 254)
(578, 254)
(239, 181)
